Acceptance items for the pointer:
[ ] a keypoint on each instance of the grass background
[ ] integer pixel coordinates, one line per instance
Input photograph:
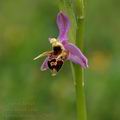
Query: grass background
(26, 93)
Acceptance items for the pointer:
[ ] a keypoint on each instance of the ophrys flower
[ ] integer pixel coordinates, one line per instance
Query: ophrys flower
(62, 49)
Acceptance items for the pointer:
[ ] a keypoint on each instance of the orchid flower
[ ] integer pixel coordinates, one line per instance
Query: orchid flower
(62, 49)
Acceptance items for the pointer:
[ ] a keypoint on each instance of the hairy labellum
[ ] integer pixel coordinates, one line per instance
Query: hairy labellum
(56, 59)
(55, 64)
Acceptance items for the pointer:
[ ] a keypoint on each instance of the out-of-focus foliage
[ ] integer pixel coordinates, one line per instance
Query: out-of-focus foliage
(26, 93)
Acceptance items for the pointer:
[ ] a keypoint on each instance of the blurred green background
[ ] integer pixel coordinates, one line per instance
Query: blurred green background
(26, 93)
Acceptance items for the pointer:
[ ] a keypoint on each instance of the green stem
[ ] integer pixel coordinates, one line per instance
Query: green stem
(79, 73)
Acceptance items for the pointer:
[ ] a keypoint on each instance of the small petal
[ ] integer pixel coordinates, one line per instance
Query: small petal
(63, 26)
(76, 55)
(44, 66)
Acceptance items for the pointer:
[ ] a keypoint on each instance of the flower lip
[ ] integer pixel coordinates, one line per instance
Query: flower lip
(55, 64)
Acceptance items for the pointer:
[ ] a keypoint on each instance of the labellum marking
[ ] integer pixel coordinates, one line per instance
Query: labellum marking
(55, 65)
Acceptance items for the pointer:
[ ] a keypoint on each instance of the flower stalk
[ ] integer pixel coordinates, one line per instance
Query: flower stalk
(79, 72)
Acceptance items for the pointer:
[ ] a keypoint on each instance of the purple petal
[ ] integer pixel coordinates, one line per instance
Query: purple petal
(76, 55)
(76, 60)
(63, 26)
(44, 66)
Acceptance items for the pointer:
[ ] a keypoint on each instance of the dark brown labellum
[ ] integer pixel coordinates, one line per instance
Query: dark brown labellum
(54, 64)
